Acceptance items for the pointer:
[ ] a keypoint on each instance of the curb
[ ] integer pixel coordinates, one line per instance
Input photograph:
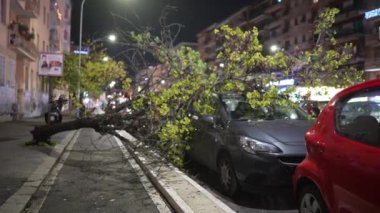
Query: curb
(181, 192)
(18, 201)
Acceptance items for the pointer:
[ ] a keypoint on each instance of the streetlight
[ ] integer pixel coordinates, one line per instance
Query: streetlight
(106, 58)
(80, 45)
(274, 48)
(112, 37)
(112, 84)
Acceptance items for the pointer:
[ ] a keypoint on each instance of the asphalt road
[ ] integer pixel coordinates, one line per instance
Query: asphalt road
(96, 177)
(275, 202)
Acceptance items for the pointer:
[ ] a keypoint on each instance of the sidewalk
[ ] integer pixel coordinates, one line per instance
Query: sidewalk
(19, 163)
(183, 193)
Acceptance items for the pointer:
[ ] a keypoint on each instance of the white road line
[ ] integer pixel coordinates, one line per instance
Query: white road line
(154, 195)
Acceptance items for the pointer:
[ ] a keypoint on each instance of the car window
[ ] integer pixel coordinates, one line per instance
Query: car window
(239, 109)
(357, 117)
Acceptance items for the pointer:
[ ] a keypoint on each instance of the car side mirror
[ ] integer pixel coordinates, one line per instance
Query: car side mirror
(209, 119)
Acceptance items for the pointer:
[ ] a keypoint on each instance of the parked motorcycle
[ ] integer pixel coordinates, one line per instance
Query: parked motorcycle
(54, 115)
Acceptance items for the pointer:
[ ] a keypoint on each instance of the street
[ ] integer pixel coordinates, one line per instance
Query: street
(95, 177)
(245, 202)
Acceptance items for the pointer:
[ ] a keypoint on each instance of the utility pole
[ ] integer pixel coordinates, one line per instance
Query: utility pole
(80, 46)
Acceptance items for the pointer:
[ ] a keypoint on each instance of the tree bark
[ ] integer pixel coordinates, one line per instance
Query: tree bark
(43, 133)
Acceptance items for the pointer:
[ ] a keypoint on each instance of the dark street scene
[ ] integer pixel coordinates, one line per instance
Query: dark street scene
(247, 106)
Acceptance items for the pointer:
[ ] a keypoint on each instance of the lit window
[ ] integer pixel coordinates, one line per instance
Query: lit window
(315, 1)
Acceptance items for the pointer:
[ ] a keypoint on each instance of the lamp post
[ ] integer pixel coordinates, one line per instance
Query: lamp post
(80, 46)
(111, 37)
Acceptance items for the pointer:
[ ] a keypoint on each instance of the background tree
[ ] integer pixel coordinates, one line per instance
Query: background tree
(95, 73)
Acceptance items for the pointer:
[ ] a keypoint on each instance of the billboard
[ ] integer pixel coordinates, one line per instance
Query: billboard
(50, 64)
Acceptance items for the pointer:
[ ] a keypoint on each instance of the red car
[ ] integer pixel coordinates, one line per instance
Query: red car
(341, 172)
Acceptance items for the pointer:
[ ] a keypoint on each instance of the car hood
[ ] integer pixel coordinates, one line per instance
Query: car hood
(290, 132)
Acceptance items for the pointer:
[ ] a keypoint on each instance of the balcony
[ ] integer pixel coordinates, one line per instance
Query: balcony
(350, 33)
(274, 8)
(348, 16)
(372, 39)
(372, 63)
(21, 42)
(25, 8)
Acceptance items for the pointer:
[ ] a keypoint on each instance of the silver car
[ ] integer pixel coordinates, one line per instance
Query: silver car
(251, 149)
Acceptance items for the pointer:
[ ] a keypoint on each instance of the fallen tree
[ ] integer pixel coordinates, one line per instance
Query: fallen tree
(184, 83)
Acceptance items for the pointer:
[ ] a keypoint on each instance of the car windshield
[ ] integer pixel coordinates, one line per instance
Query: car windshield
(242, 110)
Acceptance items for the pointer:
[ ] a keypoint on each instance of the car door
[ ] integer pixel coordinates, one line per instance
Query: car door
(354, 154)
(214, 135)
(207, 136)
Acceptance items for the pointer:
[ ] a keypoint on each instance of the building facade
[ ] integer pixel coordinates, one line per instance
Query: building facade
(288, 24)
(25, 31)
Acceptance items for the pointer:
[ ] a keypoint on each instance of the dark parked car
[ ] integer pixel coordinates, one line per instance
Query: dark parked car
(341, 172)
(251, 149)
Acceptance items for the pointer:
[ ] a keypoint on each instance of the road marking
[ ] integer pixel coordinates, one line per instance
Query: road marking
(153, 193)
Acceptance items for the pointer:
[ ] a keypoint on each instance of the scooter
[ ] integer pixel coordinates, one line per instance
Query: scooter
(54, 115)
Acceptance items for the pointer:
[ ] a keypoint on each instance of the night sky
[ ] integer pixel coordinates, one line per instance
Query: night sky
(195, 15)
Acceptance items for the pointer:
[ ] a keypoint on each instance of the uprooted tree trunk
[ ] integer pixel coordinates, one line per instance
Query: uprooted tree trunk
(43, 133)
(105, 123)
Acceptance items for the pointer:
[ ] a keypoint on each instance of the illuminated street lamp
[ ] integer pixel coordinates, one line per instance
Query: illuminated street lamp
(80, 45)
(112, 37)
(112, 84)
(274, 48)
(106, 58)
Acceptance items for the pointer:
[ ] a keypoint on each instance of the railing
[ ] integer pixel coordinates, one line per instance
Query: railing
(33, 6)
(22, 45)
(349, 31)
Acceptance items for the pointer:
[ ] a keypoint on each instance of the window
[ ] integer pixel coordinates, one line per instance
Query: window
(2, 70)
(287, 45)
(12, 73)
(303, 19)
(303, 38)
(44, 15)
(67, 11)
(3, 11)
(378, 32)
(357, 117)
(315, 1)
(43, 46)
(295, 40)
(26, 78)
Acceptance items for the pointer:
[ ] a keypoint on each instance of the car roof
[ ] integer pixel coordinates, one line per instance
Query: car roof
(357, 87)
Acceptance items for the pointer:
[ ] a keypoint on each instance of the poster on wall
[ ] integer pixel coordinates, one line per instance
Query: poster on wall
(50, 64)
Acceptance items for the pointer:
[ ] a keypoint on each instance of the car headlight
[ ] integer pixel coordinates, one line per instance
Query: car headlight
(253, 146)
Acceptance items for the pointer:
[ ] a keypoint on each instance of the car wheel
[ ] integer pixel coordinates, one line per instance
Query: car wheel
(311, 200)
(227, 177)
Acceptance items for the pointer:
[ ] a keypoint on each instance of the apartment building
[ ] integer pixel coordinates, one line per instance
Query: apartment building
(372, 40)
(288, 24)
(24, 32)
